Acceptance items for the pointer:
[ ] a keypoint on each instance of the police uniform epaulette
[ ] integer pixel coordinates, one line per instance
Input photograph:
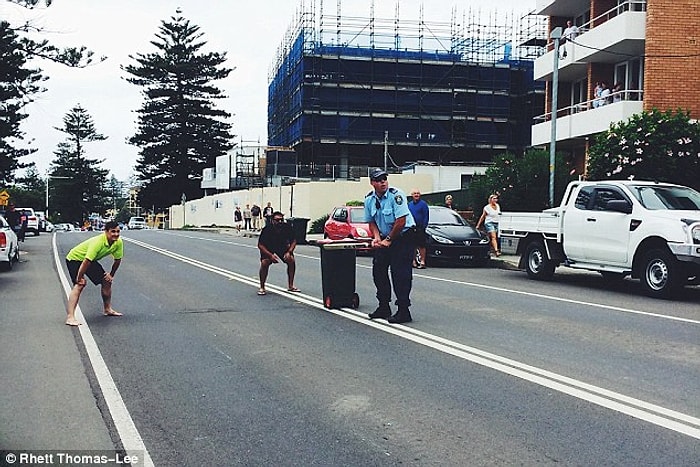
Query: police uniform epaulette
(393, 190)
(369, 194)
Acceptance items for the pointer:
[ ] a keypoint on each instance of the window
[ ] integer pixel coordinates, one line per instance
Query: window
(602, 196)
(583, 198)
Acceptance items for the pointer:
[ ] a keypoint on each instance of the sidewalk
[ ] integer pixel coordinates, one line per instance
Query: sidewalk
(46, 402)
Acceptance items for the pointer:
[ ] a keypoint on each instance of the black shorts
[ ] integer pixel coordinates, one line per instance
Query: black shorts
(95, 272)
(419, 237)
(281, 255)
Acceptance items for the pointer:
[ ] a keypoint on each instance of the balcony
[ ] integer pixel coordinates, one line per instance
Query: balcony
(619, 34)
(587, 118)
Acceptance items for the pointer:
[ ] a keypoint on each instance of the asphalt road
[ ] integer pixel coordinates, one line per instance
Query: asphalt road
(495, 368)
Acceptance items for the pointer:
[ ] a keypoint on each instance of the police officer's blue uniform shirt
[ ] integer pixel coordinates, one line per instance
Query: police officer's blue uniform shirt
(392, 206)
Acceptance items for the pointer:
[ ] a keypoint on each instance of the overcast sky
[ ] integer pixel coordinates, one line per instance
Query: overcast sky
(248, 31)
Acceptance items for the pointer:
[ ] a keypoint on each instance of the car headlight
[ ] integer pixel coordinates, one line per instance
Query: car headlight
(440, 239)
(361, 232)
(696, 234)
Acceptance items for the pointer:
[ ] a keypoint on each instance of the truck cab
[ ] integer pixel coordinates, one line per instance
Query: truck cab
(646, 230)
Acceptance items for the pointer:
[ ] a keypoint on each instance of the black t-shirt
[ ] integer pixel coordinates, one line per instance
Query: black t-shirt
(277, 238)
(14, 218)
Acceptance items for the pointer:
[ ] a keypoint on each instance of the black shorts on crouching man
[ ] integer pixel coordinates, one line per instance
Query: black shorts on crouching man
(95, 272)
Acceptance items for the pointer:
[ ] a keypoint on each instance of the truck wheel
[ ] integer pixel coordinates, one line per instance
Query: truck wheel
(661, 274)
(537, 265)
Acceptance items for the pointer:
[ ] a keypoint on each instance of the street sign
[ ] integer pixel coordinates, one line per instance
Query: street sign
(4, 196)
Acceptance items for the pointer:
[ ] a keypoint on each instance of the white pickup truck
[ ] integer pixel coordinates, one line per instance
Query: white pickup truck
(648, 230)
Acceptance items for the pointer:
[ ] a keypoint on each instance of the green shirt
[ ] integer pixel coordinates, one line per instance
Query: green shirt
(96, 248)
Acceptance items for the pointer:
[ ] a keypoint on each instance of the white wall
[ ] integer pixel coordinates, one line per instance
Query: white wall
(305, 199)
(447, 177)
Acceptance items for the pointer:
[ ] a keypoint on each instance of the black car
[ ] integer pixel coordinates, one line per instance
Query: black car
(450, 238)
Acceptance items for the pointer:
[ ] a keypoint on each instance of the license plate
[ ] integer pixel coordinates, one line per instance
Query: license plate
(466, 257)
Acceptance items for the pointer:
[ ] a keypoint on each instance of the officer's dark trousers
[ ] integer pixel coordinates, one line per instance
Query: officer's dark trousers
(399, 259)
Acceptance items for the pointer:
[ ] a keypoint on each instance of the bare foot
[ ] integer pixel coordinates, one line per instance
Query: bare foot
(73, 322)
(112, 312)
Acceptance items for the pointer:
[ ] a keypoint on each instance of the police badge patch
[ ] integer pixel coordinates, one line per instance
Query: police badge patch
(398, 199)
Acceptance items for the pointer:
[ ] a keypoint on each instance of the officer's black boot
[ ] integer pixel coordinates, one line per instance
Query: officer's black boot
(382, 311)
(403, 315)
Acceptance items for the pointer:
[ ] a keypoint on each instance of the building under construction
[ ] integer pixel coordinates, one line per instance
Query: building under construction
(347, 91)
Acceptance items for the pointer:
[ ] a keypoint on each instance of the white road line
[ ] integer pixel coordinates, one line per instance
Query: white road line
(128, 433)
(651, 413)
(502, 289)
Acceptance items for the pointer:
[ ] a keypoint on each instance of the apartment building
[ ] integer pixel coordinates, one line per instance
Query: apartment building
(350, 92)
(646, 51)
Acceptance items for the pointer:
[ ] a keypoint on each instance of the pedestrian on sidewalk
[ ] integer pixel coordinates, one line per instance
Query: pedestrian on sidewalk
(17, 221)
(83, 260)
(489, 219)
(237, 218)
(267, 213)
(421, 214)
(247, 216)
(255, 211)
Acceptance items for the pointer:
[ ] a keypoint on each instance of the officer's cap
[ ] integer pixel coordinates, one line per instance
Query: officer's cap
(376, 174)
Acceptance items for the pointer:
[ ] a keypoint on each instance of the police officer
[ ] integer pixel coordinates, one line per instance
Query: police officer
(391, 224)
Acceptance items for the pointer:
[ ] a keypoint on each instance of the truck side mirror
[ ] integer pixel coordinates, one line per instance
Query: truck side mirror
(619, 205)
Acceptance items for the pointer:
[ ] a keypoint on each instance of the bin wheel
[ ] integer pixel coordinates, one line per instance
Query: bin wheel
(355, 301)
(328, 301)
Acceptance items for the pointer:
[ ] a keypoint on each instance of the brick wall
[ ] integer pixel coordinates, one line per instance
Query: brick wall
(672, 63)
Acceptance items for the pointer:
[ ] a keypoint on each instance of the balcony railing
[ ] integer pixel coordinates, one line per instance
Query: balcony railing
(631, 5)
(625, 95)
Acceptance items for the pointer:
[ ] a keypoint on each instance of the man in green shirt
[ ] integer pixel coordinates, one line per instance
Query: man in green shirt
(83, 260)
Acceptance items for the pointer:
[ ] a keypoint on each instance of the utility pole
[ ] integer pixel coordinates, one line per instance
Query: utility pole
(386, 149)
(556, 35)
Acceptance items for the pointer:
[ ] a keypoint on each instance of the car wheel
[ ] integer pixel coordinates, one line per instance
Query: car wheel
(537, 265)
(661, 274)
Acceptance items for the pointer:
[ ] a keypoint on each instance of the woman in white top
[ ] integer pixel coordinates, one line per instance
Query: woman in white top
(489, 218)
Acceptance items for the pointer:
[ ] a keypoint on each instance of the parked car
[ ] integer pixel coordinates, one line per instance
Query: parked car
(9, 246)
(450, 239)
(32, 220)
(65, 227)
(644, 229)
(137, 222)
(347, 222)
(41, 216)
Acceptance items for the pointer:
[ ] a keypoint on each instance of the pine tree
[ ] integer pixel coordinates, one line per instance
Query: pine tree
(80, 185)
(180, 132)
(18, 84)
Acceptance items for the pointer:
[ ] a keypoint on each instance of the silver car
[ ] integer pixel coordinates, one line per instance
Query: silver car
(9, 247)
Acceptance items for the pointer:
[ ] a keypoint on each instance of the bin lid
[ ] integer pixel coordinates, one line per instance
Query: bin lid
(344, 244)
